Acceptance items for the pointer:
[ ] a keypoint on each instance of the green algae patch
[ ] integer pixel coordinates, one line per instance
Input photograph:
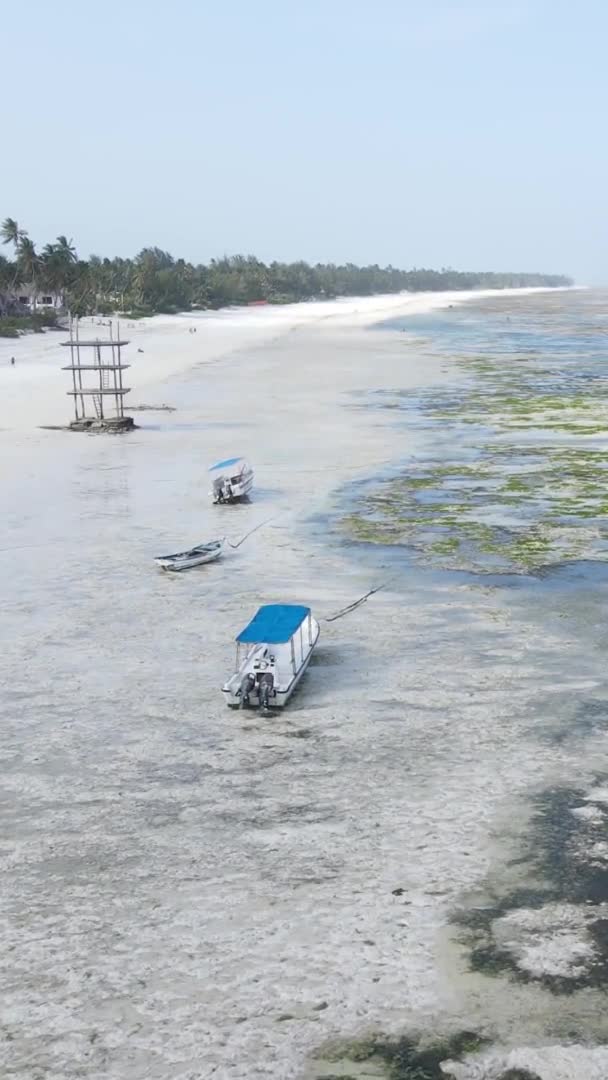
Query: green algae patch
(405, 1058)
(516, 484)
(519, 1074)
(445, 547)
(524, 488)
(552, 930)
(530, 549)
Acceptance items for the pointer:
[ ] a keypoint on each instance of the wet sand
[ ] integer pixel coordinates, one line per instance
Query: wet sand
(194, 892)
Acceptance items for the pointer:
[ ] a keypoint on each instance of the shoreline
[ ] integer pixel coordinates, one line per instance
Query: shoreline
(33, 392)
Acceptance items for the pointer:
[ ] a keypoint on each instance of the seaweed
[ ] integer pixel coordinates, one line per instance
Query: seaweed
(405, 1058)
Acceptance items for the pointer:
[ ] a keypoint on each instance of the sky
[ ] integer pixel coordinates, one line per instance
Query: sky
(469, 133)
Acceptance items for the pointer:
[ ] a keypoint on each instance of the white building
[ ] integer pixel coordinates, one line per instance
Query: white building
(40, 298)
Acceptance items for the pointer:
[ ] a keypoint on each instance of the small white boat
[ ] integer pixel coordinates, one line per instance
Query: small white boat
(196, 556)
(233, 480)
(272, 654)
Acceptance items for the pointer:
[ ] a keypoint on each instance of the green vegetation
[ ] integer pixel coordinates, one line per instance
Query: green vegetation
(519, 1074)
(557, 868)
(445, 547)
(518, 506)
(154, 281)
(11, 326)
(405, 1058)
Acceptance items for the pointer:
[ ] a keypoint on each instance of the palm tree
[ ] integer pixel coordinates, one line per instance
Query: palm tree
(29, 264)
(66, 249)
(53, 271)
(119, 280)
(9, 304)
(11, 233)
(7, 277)
(96, 276)
(80, 296)
(7, 271)
(58, 262)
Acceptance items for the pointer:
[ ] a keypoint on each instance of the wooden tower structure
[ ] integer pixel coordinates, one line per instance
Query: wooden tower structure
(97, 386)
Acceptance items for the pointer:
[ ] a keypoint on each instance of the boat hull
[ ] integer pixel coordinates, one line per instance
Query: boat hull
(238, 492)
(233, 488)
(187, 559)
(282, 693)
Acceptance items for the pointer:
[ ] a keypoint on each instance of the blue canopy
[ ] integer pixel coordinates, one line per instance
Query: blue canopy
(274, 624)
(225, 464)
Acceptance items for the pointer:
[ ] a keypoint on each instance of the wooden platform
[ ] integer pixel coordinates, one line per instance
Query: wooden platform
(96, 343)
(96, 367)
(107, 390)
(91, 392)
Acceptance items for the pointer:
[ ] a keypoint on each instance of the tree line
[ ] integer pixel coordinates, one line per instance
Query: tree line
(154, 281)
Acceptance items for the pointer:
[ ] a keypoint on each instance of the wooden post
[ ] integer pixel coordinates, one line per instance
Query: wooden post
(114, 369)
(73, 366)
(98, 350)
(121, 410)
(79, 367)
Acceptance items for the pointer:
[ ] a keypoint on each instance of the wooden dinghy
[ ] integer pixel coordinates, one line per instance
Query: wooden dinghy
(196, 556)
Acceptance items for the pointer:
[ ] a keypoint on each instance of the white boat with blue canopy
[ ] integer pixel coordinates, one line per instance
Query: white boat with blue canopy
(232, 480)
(272, 654)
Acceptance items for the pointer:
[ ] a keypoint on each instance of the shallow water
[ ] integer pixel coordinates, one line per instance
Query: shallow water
(517, 511)
(513, 476)
(199, 894)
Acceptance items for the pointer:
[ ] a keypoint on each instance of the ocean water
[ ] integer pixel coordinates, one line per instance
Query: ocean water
(553, 324)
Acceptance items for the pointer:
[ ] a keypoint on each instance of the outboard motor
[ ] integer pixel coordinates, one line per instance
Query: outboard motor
(247, 686)
(265, 689)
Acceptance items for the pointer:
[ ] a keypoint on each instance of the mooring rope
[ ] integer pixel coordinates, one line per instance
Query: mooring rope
(356, 604)
(250, 533)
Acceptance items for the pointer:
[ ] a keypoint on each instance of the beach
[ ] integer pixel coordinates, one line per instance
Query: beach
(198, 893)
(33, 391)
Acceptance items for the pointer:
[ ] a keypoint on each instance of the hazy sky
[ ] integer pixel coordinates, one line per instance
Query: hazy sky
(469, 133)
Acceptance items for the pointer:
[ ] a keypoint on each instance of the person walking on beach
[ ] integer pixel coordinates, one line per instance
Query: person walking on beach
(12, 361)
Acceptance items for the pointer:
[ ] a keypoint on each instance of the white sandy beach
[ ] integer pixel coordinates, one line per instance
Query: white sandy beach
(34, 391)
(196, 893)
